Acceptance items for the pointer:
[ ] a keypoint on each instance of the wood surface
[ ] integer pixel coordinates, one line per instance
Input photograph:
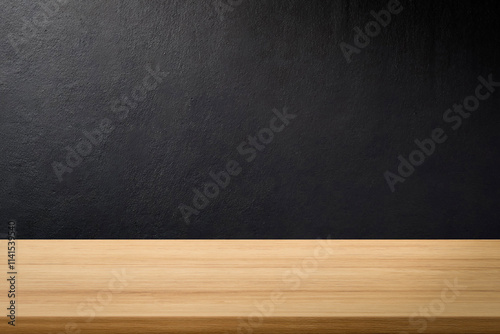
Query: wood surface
(254, 286)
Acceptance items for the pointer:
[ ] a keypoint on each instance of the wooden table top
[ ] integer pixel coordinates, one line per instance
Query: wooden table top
(254, 286)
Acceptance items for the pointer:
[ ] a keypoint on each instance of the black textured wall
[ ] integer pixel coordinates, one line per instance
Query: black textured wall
(95, 146)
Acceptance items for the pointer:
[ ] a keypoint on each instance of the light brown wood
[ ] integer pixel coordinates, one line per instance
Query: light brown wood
(216, 286)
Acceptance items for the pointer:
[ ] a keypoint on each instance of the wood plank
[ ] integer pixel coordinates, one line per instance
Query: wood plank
(255, 286)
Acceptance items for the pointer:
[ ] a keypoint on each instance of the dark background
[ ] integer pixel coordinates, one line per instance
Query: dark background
(323, 175)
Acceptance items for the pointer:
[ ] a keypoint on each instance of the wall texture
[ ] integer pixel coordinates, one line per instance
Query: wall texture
(113, 115)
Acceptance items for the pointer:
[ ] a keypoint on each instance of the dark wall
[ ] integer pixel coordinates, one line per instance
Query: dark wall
(77, 70)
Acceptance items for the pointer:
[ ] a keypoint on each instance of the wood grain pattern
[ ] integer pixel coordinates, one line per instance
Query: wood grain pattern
(255, 286)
